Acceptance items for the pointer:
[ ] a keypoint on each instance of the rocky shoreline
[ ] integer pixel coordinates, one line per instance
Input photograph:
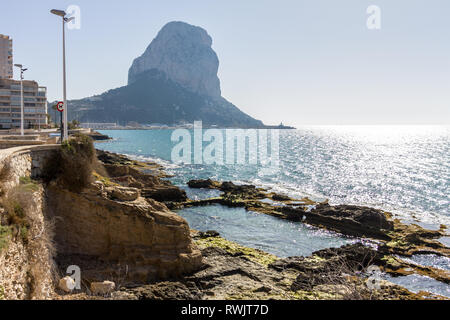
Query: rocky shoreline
(394, 237)
(230, 271)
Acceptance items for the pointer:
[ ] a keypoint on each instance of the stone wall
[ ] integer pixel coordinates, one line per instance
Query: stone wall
(25, 161)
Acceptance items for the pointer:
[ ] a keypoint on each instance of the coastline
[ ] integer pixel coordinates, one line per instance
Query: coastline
(397, 238)
(117, 220)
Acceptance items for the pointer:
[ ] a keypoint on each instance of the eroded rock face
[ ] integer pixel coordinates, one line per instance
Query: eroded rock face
(123, 193)
(183, 52)
(143, 235)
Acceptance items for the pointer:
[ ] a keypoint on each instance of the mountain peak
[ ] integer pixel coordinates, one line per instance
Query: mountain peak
(184, 53)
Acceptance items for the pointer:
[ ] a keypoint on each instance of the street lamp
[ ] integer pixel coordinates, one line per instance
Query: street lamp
(22, 70)
(62, 14)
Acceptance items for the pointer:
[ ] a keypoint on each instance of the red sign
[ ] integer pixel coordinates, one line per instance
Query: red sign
(60, 106)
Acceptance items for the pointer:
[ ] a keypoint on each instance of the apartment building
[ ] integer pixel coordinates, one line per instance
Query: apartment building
(34, 100)
(34, 96)
(6, 57)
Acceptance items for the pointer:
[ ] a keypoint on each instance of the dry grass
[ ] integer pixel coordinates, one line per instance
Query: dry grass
(5, 234)
(339, 276)
(5, 175)
(346, 277)
(17, 203)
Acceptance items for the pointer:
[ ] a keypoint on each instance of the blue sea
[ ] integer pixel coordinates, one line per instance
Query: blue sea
(401, 169)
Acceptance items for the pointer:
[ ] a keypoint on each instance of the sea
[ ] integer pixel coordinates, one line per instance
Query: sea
(401, 169)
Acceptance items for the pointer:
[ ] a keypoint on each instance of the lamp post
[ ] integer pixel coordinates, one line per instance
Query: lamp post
(62, 14)
(22, 70)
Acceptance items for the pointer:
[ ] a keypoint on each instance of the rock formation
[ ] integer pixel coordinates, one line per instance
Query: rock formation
(117, 225)
(174, 82)
(183, 52)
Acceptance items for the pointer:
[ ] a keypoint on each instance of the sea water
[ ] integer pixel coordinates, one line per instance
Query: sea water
(401, 169)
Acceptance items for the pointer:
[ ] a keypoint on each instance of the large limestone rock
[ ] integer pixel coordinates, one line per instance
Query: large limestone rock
(183, 52)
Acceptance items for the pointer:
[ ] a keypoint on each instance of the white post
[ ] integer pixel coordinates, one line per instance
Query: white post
(21, 104)
(66, 135)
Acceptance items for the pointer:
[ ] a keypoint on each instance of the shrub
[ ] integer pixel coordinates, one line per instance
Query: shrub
(72, 164)
(28, 184)
(17, 202)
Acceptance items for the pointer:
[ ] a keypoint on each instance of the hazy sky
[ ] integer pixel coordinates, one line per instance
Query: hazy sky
(300, 62)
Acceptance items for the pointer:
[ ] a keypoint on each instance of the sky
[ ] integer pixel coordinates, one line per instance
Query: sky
(292, 61)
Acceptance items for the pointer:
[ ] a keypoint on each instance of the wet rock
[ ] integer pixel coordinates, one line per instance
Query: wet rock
(97, 136)
(165, 193)
(229, 186)
(205, 184)
(112, 158)
(368, 216)
(280, 197)
(263, 289)
(349, 220)
(208, 234)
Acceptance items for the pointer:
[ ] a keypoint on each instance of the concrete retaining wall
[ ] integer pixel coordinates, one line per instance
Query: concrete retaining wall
(24, 161)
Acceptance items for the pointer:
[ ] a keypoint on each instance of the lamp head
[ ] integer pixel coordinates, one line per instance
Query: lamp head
(60, 13)
(18, 66)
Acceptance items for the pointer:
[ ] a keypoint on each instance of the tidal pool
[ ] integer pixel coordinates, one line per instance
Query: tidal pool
(280, 237)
